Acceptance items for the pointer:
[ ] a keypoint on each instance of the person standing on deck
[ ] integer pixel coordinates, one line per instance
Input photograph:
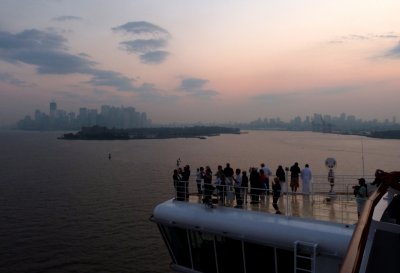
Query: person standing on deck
(254, 186)
(179, 186)
(294, 177)
(199, 177)
(280, 173)
(267, 173)
(263, 183)
(220, 183)
(229, 190)
(361, 194)
(228, 172)
(208, 187)
(276, 193)
(245, 185)
(306, 176)
(185, 180)
(238, 189)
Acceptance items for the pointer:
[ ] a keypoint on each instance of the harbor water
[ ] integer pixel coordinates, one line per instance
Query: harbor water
(65, 206)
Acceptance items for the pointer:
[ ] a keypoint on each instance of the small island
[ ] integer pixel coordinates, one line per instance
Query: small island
(104, 133)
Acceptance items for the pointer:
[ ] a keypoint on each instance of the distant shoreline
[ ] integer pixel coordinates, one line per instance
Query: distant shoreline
(103, 133)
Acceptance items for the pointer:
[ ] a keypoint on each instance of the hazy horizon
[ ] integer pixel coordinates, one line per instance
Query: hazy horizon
(201, 61)
(303, 118)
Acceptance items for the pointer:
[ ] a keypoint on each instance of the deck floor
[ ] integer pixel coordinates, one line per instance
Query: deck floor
(335, 208)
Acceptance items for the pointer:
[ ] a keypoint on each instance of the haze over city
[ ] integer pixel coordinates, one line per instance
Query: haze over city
(201, 61)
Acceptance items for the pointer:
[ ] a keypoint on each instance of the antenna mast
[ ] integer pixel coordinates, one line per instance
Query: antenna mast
(362, 157)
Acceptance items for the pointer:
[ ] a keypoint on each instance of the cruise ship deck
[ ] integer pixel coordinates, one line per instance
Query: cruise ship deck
(315, 232)
(338, 206)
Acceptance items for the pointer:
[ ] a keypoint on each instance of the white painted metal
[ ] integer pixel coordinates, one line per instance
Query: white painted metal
(263, 228)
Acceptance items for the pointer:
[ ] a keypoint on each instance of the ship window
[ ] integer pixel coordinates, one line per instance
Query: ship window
(177, 240)
(229, 254)
(203, 254)
(259, 258)
(285, 260)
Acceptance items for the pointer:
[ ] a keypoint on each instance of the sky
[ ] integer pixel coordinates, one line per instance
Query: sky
(201, 61)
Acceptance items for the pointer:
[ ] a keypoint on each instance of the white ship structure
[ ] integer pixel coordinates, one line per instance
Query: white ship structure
(320, 232)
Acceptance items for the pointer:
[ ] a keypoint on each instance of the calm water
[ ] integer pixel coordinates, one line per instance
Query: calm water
(64, 207)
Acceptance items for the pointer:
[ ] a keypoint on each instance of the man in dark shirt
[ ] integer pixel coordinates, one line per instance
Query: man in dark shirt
(294, 177)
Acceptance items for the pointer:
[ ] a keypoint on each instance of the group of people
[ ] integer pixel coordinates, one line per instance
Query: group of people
(234, 184)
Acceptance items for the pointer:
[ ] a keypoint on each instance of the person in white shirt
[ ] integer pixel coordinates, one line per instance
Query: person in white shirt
(267, 173)
(306, 176)
(199, 178)
(238, 188)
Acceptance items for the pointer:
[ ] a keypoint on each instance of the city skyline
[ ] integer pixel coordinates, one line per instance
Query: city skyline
(127, 117)
(207, 61)
(109, 116)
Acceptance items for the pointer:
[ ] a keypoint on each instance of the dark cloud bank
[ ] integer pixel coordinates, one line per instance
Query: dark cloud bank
(47, 51)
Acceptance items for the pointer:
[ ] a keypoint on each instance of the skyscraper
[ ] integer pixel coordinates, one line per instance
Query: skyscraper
(53, 109)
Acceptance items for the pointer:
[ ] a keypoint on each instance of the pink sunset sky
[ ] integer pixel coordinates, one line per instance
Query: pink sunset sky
(201, 61)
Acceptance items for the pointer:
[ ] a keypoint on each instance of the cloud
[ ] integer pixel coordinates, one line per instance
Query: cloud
(337, 90)
(67, 95)
(154, 57)
(281, 97)
(146, 88)
(388, 36)
(7, 78)
(141, 28)
(358, 37)
(195, 87)
(54, 62)
(154, 96)
(394, 52)
(149, 41)
(192, 84)
(275, 98)
(100, 91)
(111, 78)
(29, 40)
(47, 51)
(66, 18)
(141, 46)
(205, 93)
